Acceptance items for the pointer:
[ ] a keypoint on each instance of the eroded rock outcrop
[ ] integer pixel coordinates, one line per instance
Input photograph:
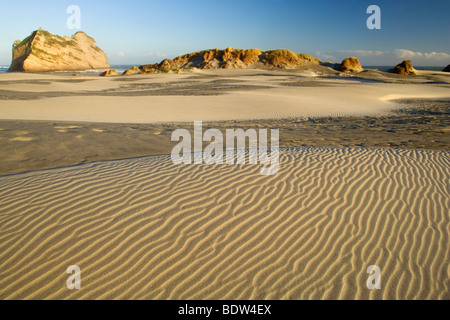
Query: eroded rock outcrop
(447, 68)
(132, 70)
(231, 58)
(112, 72)
(405, 68)
(350, 64)
(43, 51)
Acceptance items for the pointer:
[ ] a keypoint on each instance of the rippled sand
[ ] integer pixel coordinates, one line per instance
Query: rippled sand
(147, 229)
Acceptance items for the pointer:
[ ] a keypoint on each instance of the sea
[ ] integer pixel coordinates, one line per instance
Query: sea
(389, 68)
(119, 67)
(122, 67)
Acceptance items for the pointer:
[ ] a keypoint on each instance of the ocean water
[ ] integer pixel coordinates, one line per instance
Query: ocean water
(389, 68)
(120, 69)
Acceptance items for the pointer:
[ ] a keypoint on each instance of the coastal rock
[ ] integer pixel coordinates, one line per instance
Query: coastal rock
(281, 58)
(107, 73)
(148, 68)
(447, 68)
(210, 55)
(132, 70)
(43, 51)
(251, 56)
(231, 58)
(350, 64)
(231, 54)
(405, 68)
(167, 64)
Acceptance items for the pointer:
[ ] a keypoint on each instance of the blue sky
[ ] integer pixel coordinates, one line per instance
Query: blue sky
(138, 32)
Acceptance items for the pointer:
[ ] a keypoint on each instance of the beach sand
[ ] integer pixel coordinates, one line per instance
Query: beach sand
(207, 96)
(53, 120)
(147, 229)
(34, 145)
(364, 181)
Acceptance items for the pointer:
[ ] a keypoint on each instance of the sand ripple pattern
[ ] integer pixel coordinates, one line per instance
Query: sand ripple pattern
(147, 229)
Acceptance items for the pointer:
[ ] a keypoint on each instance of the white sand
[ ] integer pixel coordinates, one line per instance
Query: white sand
(145, 228)
(347, 98)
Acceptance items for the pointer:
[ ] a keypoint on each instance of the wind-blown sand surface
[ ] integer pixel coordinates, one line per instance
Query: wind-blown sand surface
(145, 228)
(206, 96)
(37, 145)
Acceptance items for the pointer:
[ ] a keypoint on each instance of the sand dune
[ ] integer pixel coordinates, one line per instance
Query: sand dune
(145, 228)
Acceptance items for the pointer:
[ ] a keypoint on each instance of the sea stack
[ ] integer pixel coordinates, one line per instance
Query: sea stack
(405, 68)
(43, 51)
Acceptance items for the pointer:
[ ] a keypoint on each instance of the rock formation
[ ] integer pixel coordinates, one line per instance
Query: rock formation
(405, 68)
(286, 59)
(106, 73)
(148, 68)
(350, 64)
(231, 58)
(42, 51)
(132, 70)
(447, 68)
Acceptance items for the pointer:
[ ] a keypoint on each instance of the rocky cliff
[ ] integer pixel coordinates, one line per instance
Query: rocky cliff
(43, 51)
